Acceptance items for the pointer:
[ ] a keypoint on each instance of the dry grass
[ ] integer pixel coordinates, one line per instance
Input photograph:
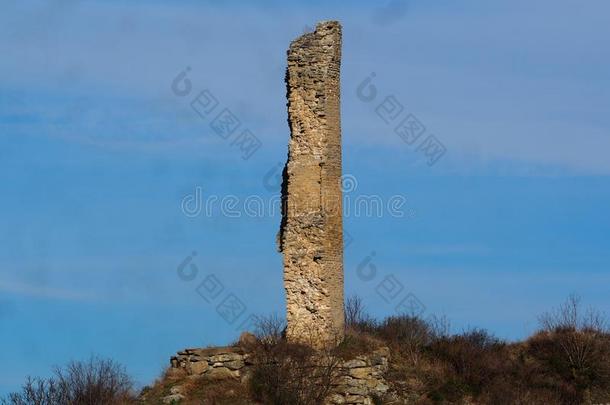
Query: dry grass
(567, 362)
(197, 391)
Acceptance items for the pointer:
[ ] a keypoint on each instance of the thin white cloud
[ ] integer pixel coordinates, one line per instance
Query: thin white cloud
(488, 89)
(45, 292)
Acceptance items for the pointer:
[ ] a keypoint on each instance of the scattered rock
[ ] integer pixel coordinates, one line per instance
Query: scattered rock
(199, 367)
(235, 364)
(247, 339)
(221, 358)
(360, 372)
(354, 363)
(174, 398)
(221, 373)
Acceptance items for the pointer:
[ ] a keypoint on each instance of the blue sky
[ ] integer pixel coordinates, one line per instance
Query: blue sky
(97, 154)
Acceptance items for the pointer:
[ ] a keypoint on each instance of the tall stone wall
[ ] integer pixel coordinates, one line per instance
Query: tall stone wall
(311, 233)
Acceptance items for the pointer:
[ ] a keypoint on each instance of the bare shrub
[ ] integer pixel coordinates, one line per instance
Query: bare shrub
(354, 310)
(570, 316)
(475, 358)
(406, 334)
(574, 347)
(287, 373)
(356, 317)
(513, 391)
(270, 330)
(96, 381)
(439, 326)
(35, 391)
(357, 343)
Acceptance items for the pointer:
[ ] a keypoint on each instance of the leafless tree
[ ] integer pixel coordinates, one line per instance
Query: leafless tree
(287, 373)
(439, 326)
(575, 344)
(270, 330)
(407, 334)
(96, 381)
(570, 316)
(354, 310)
(35, 391)
(356, 317)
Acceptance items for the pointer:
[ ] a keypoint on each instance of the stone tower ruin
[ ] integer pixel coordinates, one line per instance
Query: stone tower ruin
(311, 233)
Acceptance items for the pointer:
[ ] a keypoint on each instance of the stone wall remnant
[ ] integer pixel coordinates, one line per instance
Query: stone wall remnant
(311, 233)
(357, 381)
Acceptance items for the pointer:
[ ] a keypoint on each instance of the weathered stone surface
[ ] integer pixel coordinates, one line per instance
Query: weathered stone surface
(356, 399)
(311, 233)
(360, 372)
(221, 373)
(211, 363)
(220, 358)
(354, 363)
(356, 391)
(336, 399)
(173, 398)
(199, 367)
(235, 364)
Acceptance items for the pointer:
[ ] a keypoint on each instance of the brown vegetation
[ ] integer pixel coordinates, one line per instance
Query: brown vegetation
(96, 381)
(195, 391)
(289, 373)
(566, 362)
